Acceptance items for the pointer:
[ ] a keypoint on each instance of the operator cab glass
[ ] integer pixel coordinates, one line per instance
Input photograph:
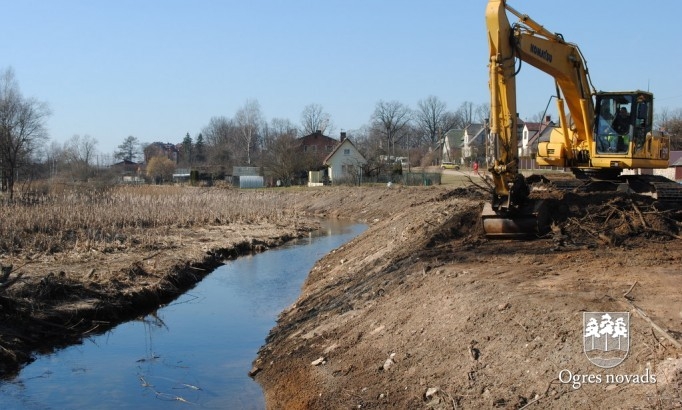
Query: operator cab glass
(623, 120)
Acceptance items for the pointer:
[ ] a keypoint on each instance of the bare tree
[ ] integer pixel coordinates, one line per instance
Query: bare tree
(281, 157)
(434, 120)
(275, 129)
(662, 116)
(429, 117)
(466, 113)
(283, 160)
(55, 157)
(22, 129)
(313, 118)
(248, 119)
(80, 152)
(221, 140)
(671, 123)
(217, 131)
(390, 119)
(483, 113)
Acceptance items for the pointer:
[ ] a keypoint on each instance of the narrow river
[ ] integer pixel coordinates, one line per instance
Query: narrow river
(195, 352)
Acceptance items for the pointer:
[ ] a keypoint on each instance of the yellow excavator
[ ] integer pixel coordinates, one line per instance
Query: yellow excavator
(595, 143)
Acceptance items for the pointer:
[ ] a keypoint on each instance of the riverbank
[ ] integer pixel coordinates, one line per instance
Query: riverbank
(421, 311)
(78, 263)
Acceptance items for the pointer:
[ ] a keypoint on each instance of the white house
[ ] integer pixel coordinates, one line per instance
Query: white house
(451, 149)
(344, 162)
(531, 133)
(462, 145)
(473, 142)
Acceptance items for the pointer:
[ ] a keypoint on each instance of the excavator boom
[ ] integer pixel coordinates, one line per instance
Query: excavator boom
(507, 214)
(591, 142)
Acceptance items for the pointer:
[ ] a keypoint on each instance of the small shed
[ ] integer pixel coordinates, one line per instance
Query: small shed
(251, 181)
(181, 175)
(247, 177)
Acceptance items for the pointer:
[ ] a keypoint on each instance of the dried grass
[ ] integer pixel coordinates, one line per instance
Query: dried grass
(127, 215)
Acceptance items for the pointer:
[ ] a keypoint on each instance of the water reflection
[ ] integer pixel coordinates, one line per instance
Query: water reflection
(196, 350)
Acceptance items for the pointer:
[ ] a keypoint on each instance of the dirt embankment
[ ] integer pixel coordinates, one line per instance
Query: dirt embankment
(49, 301)
(421, 311)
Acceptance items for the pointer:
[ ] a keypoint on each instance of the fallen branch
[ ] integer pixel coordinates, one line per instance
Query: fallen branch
(625, 295)
(658, 231)
(639, 213)
(613, 211)
(644, 316)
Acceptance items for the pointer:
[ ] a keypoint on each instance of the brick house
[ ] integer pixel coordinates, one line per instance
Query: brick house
(316, 147)
(156, 149)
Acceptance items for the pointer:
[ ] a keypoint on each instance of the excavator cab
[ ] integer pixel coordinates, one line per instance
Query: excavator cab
(623, 134)
(622, 123)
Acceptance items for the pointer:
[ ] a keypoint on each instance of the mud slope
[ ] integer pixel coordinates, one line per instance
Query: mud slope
(421, 311)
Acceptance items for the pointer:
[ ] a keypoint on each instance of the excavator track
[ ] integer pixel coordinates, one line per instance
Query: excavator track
(559, 181)
(659, 187)
(656, 186)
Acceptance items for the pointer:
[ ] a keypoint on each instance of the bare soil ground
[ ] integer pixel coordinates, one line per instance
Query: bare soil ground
(420, 311)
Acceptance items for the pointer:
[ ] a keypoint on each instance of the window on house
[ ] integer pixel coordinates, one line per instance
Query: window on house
(346, 151)
(305, 148)
(329, 148)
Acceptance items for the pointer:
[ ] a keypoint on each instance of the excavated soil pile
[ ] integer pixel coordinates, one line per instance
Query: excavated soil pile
(422, 311)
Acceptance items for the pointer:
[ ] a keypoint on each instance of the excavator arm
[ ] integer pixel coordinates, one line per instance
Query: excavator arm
(503, 129)
(526, 41)
(510, 45)
(592, 146)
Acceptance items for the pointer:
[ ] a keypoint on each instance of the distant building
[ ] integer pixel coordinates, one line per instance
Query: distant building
(166, 149)
(473, 143)
(460, 146)
(675, 172)
(316, 147)
(451, 146)
(247, 177)
(127, 167)
(129, 171)
(344, 161)
(531, 134)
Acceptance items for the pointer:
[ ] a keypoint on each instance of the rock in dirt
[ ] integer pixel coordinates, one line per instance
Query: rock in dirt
(430, 392)
(318, 361)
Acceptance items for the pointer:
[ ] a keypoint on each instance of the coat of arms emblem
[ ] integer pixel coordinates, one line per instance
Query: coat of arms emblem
(606, 337)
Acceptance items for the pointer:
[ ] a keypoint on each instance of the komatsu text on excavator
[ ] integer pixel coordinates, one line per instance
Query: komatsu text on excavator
(602, 134)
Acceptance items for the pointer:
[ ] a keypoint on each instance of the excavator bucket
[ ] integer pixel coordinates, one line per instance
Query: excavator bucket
(528, 222)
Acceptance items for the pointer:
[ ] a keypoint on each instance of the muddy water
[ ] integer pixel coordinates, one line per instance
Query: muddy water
(195, 352)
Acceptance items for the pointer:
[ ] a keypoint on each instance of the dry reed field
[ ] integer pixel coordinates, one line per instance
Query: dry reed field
(76, 260)
(83, 218)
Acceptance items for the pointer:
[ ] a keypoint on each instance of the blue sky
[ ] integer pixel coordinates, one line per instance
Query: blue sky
(159, 69)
